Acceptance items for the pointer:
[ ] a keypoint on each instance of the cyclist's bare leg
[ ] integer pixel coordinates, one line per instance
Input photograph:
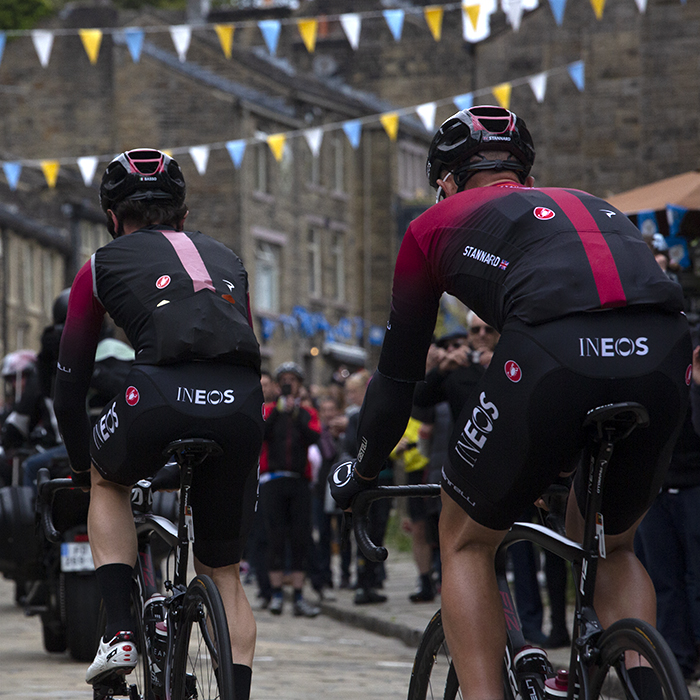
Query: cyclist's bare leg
(111, 522)
(241, 623)
(472, 612)
(623, 587)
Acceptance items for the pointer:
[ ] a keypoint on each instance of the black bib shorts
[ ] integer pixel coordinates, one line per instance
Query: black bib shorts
(522, 425)
(159, 404)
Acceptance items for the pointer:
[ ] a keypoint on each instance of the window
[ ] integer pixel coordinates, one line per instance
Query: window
(412, 180)
(267, 272)
(47, 277)
(28, 274)
(261, 170)
(338, 266)
(314, 261)
(314, 169)
(339, 164)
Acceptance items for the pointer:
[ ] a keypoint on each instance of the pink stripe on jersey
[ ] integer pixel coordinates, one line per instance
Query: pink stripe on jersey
(191, 260)
(600, 258)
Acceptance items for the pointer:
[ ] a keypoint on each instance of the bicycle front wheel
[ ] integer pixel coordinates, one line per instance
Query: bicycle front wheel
(433, 674)
(624, 647)
(202, 663)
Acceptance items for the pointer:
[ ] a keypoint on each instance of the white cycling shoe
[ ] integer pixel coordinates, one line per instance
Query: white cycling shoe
(117, 656)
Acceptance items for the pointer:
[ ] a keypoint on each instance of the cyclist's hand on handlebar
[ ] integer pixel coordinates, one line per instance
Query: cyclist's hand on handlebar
(81, 479)
(346, 484)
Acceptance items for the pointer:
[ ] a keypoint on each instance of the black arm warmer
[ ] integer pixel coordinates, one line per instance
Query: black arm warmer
(383, 418)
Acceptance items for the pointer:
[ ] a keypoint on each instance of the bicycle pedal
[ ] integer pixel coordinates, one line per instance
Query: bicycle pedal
(112, 686)
(191, 686)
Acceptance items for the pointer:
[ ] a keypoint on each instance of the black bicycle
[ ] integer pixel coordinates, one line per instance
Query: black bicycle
(601, 661)
(182, 635)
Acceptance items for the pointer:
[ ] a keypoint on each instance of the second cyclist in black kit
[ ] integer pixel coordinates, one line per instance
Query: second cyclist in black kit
(182, 299)
(586, 318)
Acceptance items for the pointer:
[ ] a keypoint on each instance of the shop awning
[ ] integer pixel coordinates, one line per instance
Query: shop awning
(681, 190)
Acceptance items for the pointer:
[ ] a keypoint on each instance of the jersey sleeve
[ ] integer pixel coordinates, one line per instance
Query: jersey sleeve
(415, 301)
(76, 359)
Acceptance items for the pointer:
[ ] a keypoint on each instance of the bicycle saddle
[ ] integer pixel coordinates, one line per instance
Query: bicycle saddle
(615, 421)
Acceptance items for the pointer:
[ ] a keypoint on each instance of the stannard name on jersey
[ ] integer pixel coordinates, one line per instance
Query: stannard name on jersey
(481, 256)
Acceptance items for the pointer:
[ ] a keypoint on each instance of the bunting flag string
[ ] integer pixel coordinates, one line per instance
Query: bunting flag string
(476, 16)
(390, 121)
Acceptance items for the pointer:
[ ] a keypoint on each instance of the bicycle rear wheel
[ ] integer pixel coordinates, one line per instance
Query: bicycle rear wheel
(202, 663)
(637, 642)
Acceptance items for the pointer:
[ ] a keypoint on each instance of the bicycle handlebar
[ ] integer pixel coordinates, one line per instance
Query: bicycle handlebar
(46, 488)
(360, 509)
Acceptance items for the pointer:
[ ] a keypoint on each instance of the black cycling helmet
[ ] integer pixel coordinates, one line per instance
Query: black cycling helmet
(60, 307)
(142, 174)
(466, 133)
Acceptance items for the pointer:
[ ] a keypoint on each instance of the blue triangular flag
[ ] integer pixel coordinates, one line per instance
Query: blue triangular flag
(134, 41)
(270, 29)
(236, 149)
(268, 327)
(12, 172)
(394, 18)
(674, 215)
(647, 223)
(558, 10)
(577, 75)
(2, 44)
(353, 130)
(465, 101)
(376, 335)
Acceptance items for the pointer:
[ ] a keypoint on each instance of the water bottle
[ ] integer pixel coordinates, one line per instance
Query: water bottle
(557, 688)
(532, 668)
(157, 635)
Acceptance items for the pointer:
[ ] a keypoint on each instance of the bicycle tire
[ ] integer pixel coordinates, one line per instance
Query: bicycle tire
(202, 662)
(140, 677)
(433, 675)
(610, 678)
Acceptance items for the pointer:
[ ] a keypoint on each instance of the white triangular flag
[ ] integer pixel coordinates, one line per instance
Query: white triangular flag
(200, 156)
(351, 24)
(514, 12)
(642, 5)
(87, 166)
(426, 112)
(43, 41)
(313, 138)
(538, 83)
(181, 35)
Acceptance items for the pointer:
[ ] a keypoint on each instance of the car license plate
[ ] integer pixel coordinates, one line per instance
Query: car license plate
(76, 556)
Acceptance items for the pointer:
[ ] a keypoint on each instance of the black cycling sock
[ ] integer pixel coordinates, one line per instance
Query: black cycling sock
(645, 683)
(114, 581)
(242, 676)
(276, 592)
(297, 595)
(426, 582)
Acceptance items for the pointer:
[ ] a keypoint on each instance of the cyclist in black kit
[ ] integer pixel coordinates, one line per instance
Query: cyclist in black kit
(586, 318)
(182, 300)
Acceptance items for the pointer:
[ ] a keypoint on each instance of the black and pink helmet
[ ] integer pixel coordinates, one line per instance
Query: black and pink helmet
(142, 174)
(466, 133)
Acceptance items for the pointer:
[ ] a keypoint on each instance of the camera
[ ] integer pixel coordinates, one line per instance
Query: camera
(286, 389)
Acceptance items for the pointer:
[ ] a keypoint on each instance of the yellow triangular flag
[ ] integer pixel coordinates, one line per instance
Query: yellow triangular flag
(308, 29)
(276, 143)
(598, 6)
(50, 169)
(167, 151)
(433, 17)
(473, 13)
(390, 122)
(92, 38)
(502, 94)
(225, 34)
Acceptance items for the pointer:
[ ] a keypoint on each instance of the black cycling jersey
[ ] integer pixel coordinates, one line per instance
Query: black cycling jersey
(509, 251)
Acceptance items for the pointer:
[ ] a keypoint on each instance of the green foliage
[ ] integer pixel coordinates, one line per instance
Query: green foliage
(23, 14)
